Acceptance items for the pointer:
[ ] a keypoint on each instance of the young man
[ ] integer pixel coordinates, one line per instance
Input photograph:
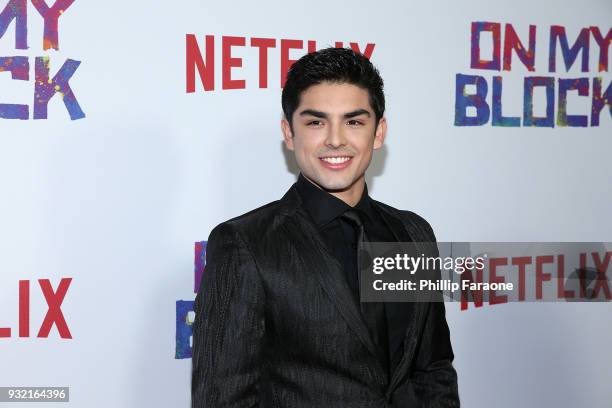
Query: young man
(278, 317)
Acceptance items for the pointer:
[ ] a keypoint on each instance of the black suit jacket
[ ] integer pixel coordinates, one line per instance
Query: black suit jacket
(277, 326)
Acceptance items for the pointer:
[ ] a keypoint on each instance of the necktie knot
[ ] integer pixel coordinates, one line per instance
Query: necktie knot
(353, 217)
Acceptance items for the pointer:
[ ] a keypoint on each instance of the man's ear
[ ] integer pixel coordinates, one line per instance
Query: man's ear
(287, 133)
(380, 133)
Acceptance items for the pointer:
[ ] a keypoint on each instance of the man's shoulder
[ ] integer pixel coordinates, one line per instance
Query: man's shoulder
(262, 215)
(409, 218)
(258, 223)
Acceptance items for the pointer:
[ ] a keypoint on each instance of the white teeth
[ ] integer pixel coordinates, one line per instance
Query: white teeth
(335, 160)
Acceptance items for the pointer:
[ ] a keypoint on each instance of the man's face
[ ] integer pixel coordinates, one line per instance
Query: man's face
(334, 135)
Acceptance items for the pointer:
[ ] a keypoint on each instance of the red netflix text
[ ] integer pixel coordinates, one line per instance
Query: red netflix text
(550, 269)
(53, 316)
(200, 58)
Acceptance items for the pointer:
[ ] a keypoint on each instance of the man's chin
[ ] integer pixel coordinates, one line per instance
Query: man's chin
(335, 186)
(332, 185)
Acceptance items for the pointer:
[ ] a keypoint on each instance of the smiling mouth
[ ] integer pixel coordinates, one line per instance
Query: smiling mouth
(336, 159)
(336, 163)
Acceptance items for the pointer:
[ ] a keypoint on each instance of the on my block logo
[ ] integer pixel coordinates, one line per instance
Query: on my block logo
(204, 61)
(474, 106)
(45, 85)
(53, 316)
(184, 308)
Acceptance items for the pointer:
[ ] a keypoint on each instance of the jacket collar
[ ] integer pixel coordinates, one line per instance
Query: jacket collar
(292, 202)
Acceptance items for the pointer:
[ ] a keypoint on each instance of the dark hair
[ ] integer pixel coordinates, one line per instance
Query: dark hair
(336, 65)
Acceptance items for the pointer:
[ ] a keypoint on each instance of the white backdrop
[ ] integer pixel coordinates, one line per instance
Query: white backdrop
(117, 200)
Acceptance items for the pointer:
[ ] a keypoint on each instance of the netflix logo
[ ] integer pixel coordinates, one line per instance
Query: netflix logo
(201, 55)
(53, 315)
(564, 279)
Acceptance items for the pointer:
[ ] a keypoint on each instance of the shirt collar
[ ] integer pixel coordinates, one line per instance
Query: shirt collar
(323, 207)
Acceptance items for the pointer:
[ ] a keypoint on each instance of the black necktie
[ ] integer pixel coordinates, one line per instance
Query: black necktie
(373, 312)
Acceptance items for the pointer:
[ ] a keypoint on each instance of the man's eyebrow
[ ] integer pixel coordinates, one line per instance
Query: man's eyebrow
(315, 113)
(356, 113)
(323, 115)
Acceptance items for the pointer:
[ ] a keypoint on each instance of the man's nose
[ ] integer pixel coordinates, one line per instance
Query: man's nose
(335, 135)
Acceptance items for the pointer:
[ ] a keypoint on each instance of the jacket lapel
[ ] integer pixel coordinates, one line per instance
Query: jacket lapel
(328, 272)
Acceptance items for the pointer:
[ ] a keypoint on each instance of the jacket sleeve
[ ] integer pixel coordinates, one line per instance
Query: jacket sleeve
(229, 325)
(434, 379)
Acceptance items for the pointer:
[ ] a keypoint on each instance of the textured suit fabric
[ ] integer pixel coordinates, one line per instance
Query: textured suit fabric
(277, 326)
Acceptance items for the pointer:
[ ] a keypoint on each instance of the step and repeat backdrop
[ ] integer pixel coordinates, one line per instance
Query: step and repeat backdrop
(128, 130)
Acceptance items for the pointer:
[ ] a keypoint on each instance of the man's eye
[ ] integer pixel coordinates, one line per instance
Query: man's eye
(354, 122)
(314, 123)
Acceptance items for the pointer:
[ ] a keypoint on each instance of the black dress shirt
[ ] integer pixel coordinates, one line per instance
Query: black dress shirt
(339, 234)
